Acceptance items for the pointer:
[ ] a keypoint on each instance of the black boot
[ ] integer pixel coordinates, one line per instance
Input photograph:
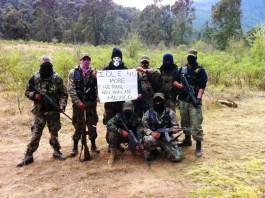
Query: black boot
(28, 159)
(94, 146)
(198, 151)
(187, 141)
(58, 155)
(75, 149)
(152, 155)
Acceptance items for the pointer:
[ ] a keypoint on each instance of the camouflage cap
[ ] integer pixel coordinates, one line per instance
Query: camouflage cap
(159, 95)
(46, 59)
(145, 58)
(83, 55)
(192, 52)
(128, 105)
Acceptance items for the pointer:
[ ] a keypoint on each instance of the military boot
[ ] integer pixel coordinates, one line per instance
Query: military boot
(198, 151)
(58, 155)
(94, 148)
(28, 159)
(75, 149)
(186, 142)
(112, 157)
(152, 155)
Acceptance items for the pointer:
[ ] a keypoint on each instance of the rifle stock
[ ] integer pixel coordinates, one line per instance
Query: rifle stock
(84, 146)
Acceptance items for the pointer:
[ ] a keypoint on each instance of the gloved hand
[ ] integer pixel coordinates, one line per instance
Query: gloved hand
(155, 134)
(38, 97)
(81, 105)
(124, 133)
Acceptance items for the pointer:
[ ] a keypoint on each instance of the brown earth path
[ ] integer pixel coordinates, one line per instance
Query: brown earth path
(230, 135)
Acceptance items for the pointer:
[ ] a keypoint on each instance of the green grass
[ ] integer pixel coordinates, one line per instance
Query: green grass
(238, 178)
(239, 66)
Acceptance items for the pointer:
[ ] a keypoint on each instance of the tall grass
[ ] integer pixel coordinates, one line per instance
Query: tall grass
(240, 65)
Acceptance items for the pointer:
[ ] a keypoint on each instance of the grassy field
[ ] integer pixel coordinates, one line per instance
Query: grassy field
(239, 66)
(233, 164)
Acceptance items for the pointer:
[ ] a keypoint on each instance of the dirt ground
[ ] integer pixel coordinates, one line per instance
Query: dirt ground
(233, 160)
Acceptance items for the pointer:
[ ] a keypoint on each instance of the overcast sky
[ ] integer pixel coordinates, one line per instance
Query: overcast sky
(141, 4)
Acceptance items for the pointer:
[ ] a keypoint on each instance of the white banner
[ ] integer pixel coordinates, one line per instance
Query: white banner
(117, 85)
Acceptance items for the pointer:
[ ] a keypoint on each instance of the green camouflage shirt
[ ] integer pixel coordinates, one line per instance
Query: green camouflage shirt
(52, 87)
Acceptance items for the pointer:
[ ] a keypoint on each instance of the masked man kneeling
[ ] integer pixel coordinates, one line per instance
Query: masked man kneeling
(119, 127)
(157, 122)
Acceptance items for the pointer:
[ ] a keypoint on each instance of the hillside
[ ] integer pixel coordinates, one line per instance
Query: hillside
(252, 11)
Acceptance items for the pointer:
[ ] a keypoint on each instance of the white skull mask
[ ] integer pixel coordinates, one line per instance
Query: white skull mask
(116, 61)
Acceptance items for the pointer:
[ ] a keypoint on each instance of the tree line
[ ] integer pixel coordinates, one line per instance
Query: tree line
(100, 22)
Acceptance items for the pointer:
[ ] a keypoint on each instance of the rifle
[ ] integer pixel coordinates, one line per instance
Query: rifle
(134, 142)
(84, 146)
(190, 88)
(51, 102)
(166, 132)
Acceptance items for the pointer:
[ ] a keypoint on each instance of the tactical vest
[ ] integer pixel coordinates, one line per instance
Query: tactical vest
(155, 123)
(85, 86)
(192, 76)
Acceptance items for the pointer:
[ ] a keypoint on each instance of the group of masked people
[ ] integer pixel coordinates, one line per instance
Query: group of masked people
(145, 125)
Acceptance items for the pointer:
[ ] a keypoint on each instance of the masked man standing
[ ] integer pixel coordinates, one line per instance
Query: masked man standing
(82, 87)
(148, 80)
(112, 108)
(45, 82)
(168, 71)
(190, 109)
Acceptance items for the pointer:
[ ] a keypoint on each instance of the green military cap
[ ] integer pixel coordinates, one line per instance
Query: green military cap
(84, 55)
(145, 58)
(128, 105)
(192, 52)
(159, 95)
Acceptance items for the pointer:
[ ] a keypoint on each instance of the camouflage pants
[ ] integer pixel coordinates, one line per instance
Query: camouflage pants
(54, 125)
(115, 139)
(85, 118)
(171, 103)
(171, 149)
(191, 117)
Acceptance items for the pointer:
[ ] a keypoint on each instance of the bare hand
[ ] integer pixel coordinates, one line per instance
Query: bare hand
(124, 133)
(155, 134)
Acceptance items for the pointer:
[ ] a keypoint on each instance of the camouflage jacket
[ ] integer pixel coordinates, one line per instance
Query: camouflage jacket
(82, 88)
(119, 120)
(148, 83)
(152, 120)
(52, 87)
(166, 82)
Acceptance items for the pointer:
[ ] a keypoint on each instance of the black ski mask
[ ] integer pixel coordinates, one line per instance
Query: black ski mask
(46, 70)
(159, 105)
(192, 60)
(168, 62)
(145, 64)
(127, 114)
